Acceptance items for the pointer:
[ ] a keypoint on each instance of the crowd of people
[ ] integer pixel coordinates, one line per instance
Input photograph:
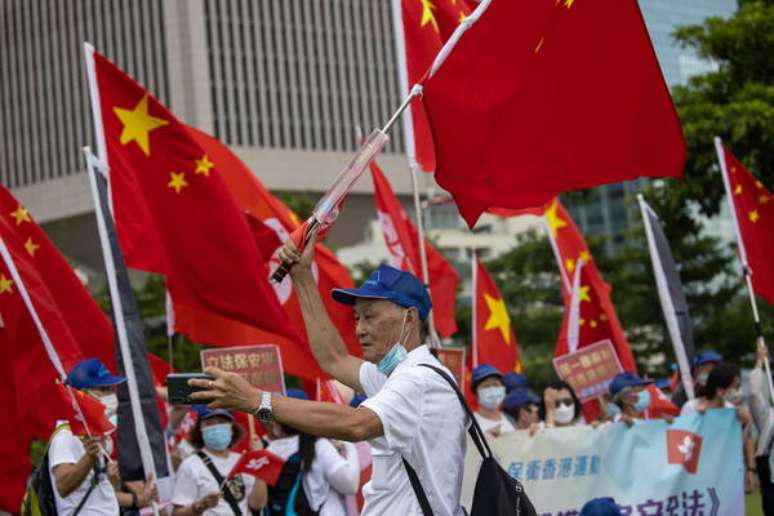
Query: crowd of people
(399, 413)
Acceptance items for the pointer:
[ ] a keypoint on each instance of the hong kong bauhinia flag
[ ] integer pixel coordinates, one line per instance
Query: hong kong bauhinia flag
(174, 215)
(540, 97)
(261, 464)
(402, 240)
(421, 29)
(494, 341)
(752, 206)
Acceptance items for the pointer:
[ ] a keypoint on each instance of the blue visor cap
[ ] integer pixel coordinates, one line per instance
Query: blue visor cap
(91, 373)
(400, 287)
(208, 413)
(483, 372)
(518, 398)
(515, 381)
(601, 507)
(624, 381)
(707, 357)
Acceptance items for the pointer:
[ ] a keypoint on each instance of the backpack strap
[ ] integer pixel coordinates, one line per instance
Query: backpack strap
(419, 492)
(227, 494)
(94, 482)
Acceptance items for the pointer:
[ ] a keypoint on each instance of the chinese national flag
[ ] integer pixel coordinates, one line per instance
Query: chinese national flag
(261, 464)
(426, 25)
(495, 341)
(174, 214)
(754, 206)
(87, 323)
(266, 212)
(401, 238)
(542, 97)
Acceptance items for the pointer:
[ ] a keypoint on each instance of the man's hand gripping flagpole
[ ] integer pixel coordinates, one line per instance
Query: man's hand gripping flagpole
(327, 209)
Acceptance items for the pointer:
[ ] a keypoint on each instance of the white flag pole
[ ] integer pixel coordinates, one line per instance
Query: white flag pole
(573, 325)
(557, 254)
(474, 303)
(670, 315)
(742, 254)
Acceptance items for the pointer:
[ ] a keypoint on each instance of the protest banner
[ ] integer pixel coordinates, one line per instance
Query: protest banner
(693, 466)
(454, 360)
(590, 369)
(261, 365)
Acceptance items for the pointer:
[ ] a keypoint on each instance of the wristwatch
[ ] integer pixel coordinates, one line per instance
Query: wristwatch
(264, 413)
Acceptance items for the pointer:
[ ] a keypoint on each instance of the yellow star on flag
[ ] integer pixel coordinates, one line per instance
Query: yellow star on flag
(6, 285)
(582, 322)
(31, 247)
(204, 165)
(568, 3)
(759, 184)
(583, 295)
(738, 190)
(137, 124)
(593, 323)
(754, 216)
(569, 264)
(763, 199)
(602, 317)
(555, 222)
(585, 255)
(177, 181)
(21, 215)
(462, 17)
(427, 14)
(498, 317)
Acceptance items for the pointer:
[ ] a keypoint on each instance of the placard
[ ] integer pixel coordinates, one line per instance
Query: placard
(261, 365)
(589, 370)
(454, 360)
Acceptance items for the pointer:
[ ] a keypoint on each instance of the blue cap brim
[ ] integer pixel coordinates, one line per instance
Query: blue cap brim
(110, 381)
(348, 296)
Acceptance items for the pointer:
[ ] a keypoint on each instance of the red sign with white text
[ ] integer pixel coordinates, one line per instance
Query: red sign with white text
(589, 370)
(260, 365)
(454, 360)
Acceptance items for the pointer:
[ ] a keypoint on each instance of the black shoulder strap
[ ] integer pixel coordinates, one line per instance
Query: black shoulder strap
(93, 484)
(227, 494)
(416, 485)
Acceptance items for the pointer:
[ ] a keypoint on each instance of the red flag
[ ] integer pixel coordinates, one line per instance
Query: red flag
(328, 392)
(753, 205)
(660, 404)
(14, 446)
(174, 214)
(402, 239)
(261, 464)
(85, 320)
(537, 98)
(266, 211)
(495, 341)
(422, 27)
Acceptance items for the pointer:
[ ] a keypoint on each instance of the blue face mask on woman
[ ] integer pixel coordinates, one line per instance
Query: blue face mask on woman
(396, 354)
(217, 437)
(643, 401)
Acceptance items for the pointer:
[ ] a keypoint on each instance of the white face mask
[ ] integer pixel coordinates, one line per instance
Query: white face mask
(491, 397)
(701, 378)
(564, 414)
(111, 407)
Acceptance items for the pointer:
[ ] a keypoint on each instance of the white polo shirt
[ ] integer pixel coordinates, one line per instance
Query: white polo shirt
(424, 423)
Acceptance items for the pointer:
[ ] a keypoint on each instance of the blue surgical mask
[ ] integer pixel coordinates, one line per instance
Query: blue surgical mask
(396, 355)
(491, 397)
(217, 437)
(613, 409)
(643, 401)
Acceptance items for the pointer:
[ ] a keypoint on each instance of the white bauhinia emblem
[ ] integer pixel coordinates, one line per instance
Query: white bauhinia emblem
(284, 288)
(399, 258)
(257, 463)
(686, 448)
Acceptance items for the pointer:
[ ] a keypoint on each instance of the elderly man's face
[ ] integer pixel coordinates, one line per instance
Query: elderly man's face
(378, 325)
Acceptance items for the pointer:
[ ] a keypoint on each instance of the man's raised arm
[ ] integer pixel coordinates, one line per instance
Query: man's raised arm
(324, 339)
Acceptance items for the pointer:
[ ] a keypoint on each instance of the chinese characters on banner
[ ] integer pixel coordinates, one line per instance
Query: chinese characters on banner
(589, 370)
(454, 360)
(261, 365)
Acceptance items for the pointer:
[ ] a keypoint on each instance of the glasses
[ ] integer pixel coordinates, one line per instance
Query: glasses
(566, 401)
(532, 408)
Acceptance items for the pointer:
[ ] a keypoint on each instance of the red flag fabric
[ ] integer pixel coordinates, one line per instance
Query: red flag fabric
(495, 342)
(328, 392)
(660, 404)
(537, 98)
(260, 464)
(14, 446)
(754, 207)
(263, 208)
(174, 214)
(422, 29)
(85, 320)
(402, 238)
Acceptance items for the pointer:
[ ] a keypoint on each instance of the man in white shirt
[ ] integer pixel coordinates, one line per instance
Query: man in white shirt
(411, 412)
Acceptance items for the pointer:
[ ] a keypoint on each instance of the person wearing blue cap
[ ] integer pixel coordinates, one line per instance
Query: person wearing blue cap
(486, 382)
(524, 407)
(413, 418)
(630, 396)
(514, 380)
(702, 364)
(198, 480)
(77, 468)
(600, 507)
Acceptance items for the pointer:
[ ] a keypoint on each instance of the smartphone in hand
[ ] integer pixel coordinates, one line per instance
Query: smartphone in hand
(179, 390)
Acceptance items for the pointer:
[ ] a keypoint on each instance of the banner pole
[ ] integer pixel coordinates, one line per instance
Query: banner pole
(742, 255)
(473, 304)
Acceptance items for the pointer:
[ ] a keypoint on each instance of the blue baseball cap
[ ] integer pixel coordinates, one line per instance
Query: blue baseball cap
(91, 373)
(624, 381)
(386, 282)
(517, 398)
(707, 357)
(297, 394)
(600, 507)
(483, 372)
(664, 383)
(208, 413)
(515, 381)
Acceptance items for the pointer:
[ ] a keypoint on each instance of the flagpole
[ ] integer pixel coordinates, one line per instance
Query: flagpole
(573, 325)
(146, 454)
(434, 339)
(742, 255)
(557, 254)
(473, 304)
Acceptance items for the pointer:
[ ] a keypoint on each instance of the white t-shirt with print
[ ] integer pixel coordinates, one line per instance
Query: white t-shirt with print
(195, 481)
(424, 422)
(487, 424)
(66, 448)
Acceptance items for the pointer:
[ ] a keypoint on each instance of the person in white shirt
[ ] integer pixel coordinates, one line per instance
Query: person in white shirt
(412, 417)
(763, 416)
(561, 406)
(486, 382)
(329, 471)
(197, 490)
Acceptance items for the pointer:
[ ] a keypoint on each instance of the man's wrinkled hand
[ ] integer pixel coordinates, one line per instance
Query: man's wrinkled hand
(226, 391)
